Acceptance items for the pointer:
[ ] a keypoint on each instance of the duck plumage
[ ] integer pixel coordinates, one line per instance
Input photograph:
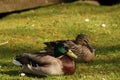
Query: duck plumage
(44, 64)
(80, 46)
(83, 52)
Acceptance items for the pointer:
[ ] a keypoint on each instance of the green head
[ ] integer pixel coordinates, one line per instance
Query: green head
(60, 49)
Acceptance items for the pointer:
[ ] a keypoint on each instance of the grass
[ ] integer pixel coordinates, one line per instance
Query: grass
(26, 31)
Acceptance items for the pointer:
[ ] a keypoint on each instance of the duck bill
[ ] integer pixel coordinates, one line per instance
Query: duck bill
(71, 54)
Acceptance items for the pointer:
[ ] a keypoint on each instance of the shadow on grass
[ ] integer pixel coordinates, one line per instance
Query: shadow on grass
(110, 63)
(101, 67)
(17, 73)
(10, 72)
(10, 69)
(108, 49)
(107, 55)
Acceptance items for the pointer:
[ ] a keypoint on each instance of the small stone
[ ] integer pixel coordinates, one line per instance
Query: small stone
(0, 66)
(103, 79)
(33, 25)
(87, 20)
(22, 74)
(103, 25)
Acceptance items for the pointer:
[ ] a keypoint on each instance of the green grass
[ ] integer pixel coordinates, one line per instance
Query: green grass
(26, 31)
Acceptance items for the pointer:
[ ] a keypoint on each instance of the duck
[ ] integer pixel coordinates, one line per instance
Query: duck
(81, 39)
(45, 64)
(80, 46)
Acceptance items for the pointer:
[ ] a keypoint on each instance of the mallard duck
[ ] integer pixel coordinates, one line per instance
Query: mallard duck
(83, 52)
(45, 64)
(79, 46)
(81, 39)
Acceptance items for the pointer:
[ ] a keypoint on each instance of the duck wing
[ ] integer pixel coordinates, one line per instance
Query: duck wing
(45, 64)
(37, 59)
(41, 59)
(51, 45)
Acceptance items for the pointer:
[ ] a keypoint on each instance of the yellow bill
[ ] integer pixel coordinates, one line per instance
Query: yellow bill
(71, 54)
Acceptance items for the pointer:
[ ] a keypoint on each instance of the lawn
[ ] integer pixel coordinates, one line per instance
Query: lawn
(27, 31)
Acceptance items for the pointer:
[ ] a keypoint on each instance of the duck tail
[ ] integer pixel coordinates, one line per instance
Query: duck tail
(17, 63)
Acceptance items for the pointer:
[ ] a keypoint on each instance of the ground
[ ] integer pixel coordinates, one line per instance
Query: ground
(27, 30)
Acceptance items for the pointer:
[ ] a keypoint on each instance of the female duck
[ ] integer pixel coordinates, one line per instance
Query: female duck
(79, 46)
(43, 64)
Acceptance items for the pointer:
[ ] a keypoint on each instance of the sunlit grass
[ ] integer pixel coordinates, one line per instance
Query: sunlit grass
(26, 31)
